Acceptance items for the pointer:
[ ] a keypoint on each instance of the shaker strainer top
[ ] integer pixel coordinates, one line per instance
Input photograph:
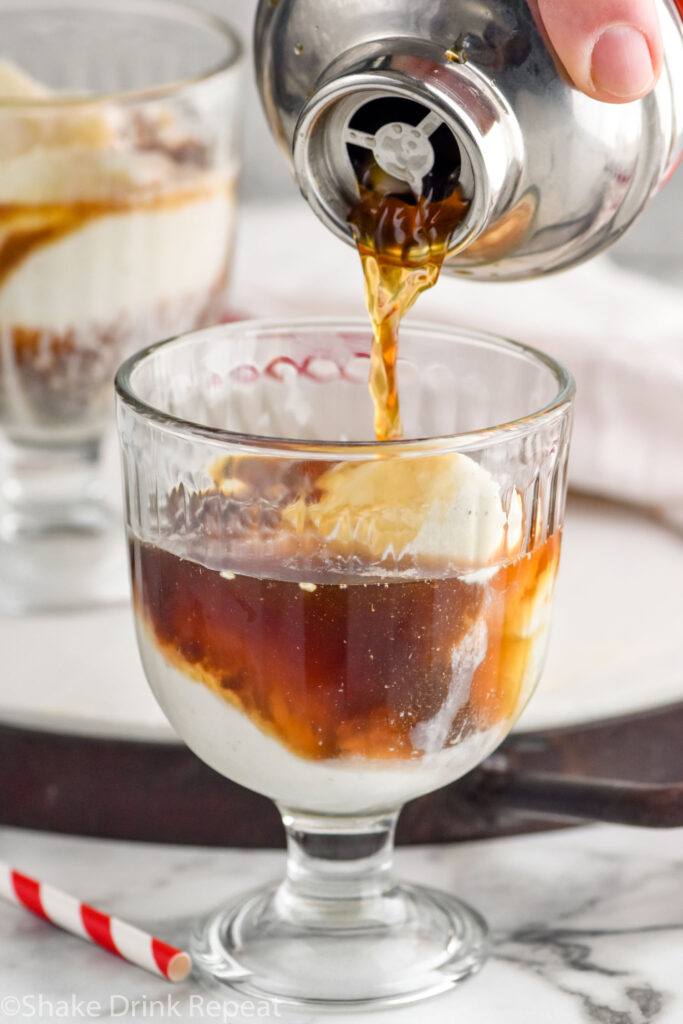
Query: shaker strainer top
(390, 133)
(407, 141)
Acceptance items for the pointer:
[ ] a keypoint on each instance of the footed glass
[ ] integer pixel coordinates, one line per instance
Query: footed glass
(339, 624)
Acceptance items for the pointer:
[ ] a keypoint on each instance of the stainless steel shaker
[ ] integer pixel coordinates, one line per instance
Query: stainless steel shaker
(466, 94)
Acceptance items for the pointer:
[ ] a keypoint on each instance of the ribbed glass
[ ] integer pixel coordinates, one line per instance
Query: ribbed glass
(339, 624)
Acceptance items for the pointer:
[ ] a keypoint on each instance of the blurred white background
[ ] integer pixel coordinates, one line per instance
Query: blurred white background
(654, 244)
(266, 174)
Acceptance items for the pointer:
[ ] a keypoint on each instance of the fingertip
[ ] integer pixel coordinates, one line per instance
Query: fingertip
(621, 67)
(611, 49)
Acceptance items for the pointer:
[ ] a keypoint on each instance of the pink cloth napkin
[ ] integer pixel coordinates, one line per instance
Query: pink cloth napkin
(620, 334)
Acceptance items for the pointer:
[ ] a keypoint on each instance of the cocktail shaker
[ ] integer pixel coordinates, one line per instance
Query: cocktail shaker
(465, 94)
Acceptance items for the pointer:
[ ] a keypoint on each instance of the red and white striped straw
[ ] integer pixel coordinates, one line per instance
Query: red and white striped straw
(116, 936)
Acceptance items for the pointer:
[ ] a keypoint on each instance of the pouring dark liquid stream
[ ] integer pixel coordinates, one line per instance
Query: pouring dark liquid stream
(402, 238)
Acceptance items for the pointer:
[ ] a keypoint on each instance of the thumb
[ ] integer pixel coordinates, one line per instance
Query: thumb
(612, 49)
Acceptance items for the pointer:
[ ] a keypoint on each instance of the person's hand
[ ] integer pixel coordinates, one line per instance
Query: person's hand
(612, 49)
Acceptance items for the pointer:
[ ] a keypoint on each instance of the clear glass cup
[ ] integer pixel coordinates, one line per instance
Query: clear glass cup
(119, 145)
(339, 624)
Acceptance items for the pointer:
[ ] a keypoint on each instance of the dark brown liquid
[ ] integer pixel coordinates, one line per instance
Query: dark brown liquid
(402, 245)
(334, 670)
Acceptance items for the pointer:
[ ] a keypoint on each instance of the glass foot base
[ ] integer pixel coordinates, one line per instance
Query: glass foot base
(407, 944)
(74, 565)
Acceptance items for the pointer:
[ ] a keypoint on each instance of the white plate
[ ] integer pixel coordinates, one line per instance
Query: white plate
(617, 644)
(617, 637)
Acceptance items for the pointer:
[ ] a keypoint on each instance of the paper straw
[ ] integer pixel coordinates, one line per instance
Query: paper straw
(116, 936)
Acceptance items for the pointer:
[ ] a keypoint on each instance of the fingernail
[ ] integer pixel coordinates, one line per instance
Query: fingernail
(621, 64)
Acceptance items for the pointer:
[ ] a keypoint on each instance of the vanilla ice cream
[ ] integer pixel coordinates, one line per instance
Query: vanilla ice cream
(444, 509)
(231, 744)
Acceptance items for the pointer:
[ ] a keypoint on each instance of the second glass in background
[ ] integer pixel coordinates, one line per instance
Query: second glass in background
(119, 146)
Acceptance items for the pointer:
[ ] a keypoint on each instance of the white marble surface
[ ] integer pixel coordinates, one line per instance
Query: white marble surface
(587, 925)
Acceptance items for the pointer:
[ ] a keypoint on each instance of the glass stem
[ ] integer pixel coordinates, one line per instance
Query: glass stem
(337, 868)
(56, 489)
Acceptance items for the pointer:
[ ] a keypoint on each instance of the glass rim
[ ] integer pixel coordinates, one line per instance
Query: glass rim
(177, 11)
(467, 440)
